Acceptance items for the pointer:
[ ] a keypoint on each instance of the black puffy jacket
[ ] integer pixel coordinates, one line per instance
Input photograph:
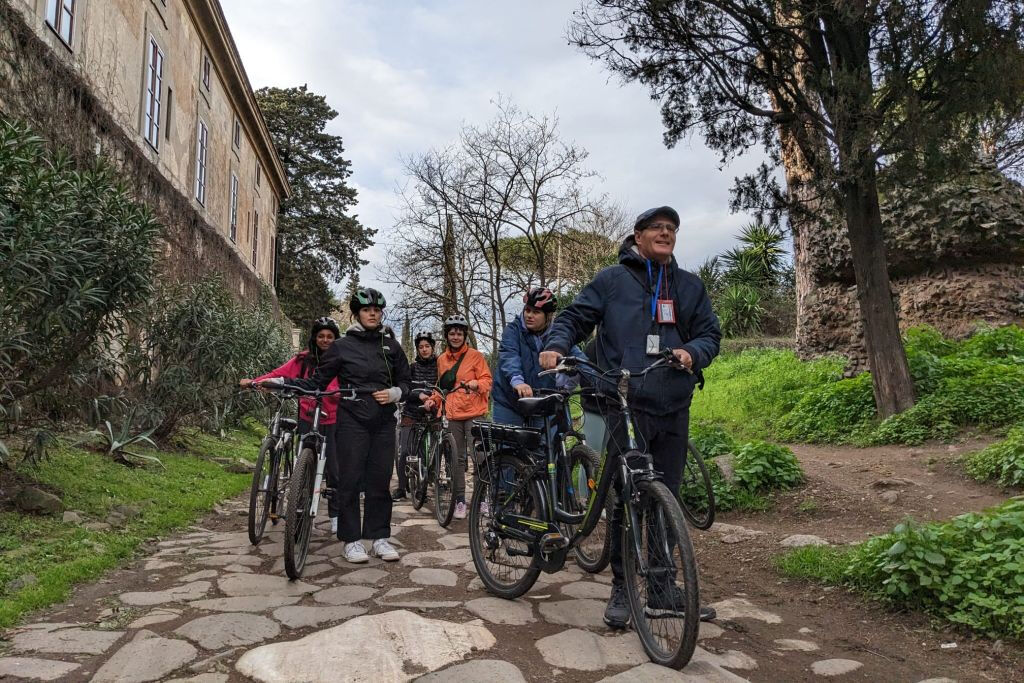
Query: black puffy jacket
(366, 360)
(421, 370)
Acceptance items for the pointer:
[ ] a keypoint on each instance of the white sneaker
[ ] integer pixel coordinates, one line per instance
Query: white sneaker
(356, 553)
(384, 550)
(460, 510)
(485, 509)
(334, 526)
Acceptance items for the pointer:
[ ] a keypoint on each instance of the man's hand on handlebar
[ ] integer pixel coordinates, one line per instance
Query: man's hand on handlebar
(684, 358)
(549, 359)
(523, 390)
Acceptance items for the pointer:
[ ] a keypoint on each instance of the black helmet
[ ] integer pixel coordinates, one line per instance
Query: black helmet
(421, 335)
(648, 216)
(364, 297)
(542, 298)
(319, 325)
(455, 321)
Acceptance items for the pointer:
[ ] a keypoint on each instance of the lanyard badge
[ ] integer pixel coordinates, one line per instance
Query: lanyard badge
(663, 311)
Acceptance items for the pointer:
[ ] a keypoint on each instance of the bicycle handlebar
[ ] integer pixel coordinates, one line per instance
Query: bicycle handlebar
(568, 364)
(344, 393)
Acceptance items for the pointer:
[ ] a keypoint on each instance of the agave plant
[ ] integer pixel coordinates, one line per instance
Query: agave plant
(39, 445)
(116, 444)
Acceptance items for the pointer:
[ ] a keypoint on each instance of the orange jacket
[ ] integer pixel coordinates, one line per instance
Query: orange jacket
(464, 405)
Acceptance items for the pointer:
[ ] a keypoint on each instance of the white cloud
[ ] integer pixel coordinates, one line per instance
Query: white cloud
(405, 76)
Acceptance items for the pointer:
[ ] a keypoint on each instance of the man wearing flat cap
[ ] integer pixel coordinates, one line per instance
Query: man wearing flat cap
(642, 306)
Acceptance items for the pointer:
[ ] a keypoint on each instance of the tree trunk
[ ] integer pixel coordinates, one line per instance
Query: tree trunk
(890, 372)
(449, 306)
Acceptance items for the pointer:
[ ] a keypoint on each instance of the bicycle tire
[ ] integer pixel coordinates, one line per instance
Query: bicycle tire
(418, 493)
(592, 556)
(283, 480)
(700, 478)
(657, 504)
(477, 530)
(298, 524)
(260, 491)
(444, 480)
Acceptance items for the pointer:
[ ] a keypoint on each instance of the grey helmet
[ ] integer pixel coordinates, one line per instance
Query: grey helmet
(455, 321)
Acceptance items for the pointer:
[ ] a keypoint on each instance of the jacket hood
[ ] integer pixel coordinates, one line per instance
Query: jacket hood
(629, 254)
(357, 330)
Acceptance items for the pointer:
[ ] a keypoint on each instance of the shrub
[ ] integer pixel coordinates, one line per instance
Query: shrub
(76, 261)
(711, 440)
(969, 570)
(760, 466)
(739, 310)
(1003, 461)
(835, 412)
(198, 343)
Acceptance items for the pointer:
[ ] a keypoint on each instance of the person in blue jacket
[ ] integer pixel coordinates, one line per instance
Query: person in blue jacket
(518, 370)
(642, 306)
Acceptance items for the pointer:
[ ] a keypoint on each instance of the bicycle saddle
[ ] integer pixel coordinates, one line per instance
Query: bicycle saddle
(539, 406)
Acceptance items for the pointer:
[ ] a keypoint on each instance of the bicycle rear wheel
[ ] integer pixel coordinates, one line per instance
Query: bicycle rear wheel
(593, 552)
(696, 493)
(444, 480)
(661, 580)
(280, 479)
(299, 522)
(418, 488)
(507, 567)
(261, 491)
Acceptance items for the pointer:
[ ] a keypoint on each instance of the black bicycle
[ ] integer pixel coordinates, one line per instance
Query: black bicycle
(696, 491)
(515, 521)
(436, 457)
(273, 470)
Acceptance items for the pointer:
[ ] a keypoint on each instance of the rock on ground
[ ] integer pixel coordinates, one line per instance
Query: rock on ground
(65, 640)
(146, 658)
(36, 669)
(379, 647)
(835, 667)
(586, 651)
(477, 671)
(801, 540)
(741, 608)
(498, 611)
(229, 630)
(301, 617)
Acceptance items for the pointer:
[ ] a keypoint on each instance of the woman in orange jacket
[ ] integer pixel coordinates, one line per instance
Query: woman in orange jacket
(460, 365)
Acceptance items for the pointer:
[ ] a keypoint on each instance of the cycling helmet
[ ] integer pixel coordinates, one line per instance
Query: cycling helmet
(455, 321)
(319, 325)
(423, 334)
(364, 297)
(542, 298)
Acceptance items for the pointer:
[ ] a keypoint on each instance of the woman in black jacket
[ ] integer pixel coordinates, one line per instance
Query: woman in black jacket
(365, 432)
(423, 369)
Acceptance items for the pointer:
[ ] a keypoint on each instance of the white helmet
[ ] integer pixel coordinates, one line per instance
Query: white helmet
(455, 321)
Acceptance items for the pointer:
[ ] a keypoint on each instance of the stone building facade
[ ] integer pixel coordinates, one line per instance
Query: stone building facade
(158, 87)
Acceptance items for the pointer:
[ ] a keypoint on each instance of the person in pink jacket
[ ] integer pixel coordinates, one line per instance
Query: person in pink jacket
(304, 364)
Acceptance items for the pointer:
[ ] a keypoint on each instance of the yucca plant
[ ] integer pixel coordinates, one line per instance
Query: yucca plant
(739, 311)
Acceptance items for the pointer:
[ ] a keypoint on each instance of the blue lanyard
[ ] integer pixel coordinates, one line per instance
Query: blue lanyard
(657, 288)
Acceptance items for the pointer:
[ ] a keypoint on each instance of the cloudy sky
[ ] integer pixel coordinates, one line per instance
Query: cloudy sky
(405, 75)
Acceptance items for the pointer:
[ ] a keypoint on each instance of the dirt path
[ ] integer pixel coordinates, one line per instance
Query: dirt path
(207, 606)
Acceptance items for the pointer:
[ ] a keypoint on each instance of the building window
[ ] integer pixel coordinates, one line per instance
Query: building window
(202, 136)
(259, 174)
(206, 71)
(170, 110)
(60, 15)
(255, 235)
(236, 135)
(233, 228)
(154, 85)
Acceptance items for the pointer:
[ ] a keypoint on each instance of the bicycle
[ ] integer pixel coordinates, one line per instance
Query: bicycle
(696, 491)
(435, 453)
(307, 480)
(272, 473)
(518, 531)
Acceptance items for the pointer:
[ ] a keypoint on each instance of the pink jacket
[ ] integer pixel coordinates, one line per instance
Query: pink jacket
(293, 370)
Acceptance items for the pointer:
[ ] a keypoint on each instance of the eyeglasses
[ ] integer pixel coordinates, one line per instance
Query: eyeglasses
(663, 227)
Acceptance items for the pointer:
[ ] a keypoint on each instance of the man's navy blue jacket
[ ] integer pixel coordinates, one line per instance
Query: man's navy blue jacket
(618, 302)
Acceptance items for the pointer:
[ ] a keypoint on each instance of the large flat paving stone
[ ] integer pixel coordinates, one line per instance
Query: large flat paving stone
(236, 585)
(302, 617)
(248, 603)
(433, 577)
(65, 640)
(368, 577)
(587, 651)
(587, 590)
(437, 558)
(344, 595)
(393, 646)
(694, 672)
(477, 671)
(229, 630)
(188, 591)
(35, 669)
(581, 613)
(741, 608)
(156, 616)
(498, 611)
(146, 658)
(225, 560)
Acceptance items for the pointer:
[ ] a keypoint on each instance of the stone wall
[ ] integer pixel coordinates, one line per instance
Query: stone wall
(38, 87)
(956, 257)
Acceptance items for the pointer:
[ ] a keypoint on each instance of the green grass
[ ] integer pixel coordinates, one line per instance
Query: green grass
(967, 571)
(62, 555)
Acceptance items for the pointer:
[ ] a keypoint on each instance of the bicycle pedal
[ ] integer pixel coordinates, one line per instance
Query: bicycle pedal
(553, 541)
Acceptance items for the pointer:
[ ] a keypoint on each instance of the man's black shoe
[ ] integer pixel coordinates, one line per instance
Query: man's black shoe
(668, 603)
(708, 614)
(616, 614)
(398, 495)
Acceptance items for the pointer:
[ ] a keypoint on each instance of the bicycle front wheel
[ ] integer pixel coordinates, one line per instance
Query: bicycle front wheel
(299, 522)
(593, 552)
(418, 485)
(507, 567)
(444, 480)
(696, 493)
(661, 576)
(261, 491)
